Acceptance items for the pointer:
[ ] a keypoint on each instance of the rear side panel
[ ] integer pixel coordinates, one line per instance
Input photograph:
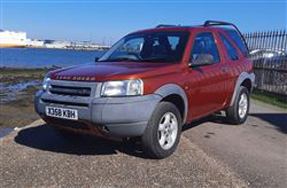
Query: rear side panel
(238, 70)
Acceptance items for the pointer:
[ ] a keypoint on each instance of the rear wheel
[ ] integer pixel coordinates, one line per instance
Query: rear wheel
(238, 112)
(163, 131)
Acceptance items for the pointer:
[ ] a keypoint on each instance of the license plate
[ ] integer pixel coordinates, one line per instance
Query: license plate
(62, 113)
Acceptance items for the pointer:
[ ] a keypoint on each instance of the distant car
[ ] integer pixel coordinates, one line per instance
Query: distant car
(277, 62)
(268, 58)
(151, 83)
(264, 53)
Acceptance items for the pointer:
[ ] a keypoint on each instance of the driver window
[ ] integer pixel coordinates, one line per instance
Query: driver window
(204, 46)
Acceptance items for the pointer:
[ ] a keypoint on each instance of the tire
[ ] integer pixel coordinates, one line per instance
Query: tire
(238, 112)
(161, 143)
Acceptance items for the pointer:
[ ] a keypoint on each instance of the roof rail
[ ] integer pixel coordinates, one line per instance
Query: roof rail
(163, 26)
(210, 23)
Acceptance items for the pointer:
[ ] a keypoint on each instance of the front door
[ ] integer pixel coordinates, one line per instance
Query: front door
(206, 83)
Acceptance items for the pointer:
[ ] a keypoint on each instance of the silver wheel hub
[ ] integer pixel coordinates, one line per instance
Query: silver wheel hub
(243, 105)
(167, 130)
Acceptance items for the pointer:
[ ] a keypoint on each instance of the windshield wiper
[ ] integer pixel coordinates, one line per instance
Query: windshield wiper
(155, 59)
(118, 59)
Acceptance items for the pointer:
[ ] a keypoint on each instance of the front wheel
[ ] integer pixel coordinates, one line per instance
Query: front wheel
(163, 131)
(238, 112)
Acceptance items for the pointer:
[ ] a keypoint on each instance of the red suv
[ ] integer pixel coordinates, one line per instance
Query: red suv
(152, 82)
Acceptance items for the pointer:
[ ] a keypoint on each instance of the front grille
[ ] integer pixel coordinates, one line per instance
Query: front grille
(65, 103)
(70, 90)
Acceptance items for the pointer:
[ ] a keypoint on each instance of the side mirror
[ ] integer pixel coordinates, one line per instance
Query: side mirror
(202, 60)
(97, 59)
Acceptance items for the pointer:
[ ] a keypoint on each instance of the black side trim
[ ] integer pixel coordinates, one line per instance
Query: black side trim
(78, 125)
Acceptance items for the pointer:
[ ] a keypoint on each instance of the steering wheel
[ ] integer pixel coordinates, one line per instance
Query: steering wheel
(137, 56)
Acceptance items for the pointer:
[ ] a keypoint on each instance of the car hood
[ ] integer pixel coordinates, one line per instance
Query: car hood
(111, 71)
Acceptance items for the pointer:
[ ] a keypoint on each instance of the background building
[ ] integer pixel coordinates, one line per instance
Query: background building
(12, 39)
(35, 43)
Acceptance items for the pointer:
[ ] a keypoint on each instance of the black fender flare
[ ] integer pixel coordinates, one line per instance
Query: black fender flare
(171, 89)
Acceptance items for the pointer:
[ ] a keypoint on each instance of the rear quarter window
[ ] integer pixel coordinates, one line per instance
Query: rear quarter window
(231, 51)
(235, 37)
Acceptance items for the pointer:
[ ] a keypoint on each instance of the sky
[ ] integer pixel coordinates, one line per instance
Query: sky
(107, 21)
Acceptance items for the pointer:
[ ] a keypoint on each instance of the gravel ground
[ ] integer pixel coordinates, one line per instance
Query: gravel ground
(211, 154)
(36, 157)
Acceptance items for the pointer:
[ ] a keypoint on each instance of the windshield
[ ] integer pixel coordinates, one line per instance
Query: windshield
(165, 47)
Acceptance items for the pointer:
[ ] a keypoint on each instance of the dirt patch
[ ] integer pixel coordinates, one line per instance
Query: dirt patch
(20, 112)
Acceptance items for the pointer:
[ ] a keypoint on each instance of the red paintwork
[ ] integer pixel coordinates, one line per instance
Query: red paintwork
(208, 89)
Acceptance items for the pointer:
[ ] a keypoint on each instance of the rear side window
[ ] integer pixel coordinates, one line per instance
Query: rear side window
(231, 51)
(204, 44)
(239, 41)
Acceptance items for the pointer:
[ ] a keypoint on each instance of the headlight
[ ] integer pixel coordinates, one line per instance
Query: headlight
(46, 83)
(122, 88)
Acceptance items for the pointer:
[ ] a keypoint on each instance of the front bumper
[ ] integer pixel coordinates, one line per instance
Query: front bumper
(112, 116)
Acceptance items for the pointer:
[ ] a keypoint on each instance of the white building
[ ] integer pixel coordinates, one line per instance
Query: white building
(35, 43)
(56, 44)
(12, 39)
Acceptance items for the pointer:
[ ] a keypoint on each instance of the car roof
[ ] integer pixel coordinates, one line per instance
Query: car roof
(208, 25)
(169, 28)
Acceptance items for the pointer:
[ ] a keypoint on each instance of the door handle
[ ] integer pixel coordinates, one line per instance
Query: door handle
(224, 69)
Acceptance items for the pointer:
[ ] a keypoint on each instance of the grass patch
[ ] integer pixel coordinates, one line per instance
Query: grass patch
(22, 71)
(270, 98)
(17, 75)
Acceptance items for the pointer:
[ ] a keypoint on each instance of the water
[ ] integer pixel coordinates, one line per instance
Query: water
(12, 92)
(41, 58)
(37, 58)
(18, 86)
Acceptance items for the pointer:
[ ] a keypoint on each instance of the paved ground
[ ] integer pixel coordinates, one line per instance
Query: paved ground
(257, 150)
(210, 154)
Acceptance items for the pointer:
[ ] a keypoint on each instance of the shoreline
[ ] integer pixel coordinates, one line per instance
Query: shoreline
(17, 89)
(74, 49)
